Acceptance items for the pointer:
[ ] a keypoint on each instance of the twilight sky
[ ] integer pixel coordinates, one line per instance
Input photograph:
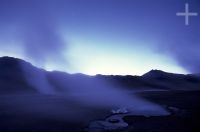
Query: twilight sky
(102, 36)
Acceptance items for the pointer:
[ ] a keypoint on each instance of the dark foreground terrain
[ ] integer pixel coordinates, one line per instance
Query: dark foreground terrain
(185, 113)
(34, 100)
(184, 107)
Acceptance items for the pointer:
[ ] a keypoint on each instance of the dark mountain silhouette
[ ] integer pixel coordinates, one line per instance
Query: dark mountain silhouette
(14, 73)
(12, 79)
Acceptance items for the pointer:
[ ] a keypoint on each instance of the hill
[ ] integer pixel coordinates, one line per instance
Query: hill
(18, 76)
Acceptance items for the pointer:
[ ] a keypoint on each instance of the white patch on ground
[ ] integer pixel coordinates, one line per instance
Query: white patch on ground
(115, 121)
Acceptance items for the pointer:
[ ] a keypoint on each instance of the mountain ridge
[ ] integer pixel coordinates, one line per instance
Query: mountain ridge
(18, 73)
(13, 60)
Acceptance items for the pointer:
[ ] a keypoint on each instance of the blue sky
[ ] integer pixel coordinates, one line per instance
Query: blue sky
(102, 36)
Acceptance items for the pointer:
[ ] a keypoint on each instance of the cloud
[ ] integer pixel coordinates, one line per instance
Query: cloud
(34, 26)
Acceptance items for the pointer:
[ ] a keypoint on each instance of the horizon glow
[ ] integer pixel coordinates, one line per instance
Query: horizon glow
(115, 37)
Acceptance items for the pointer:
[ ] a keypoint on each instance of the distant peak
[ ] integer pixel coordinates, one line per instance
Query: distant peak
(156, 70)
(154, 73)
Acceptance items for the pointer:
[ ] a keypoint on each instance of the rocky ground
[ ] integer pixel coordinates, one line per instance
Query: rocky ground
(184, 108)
